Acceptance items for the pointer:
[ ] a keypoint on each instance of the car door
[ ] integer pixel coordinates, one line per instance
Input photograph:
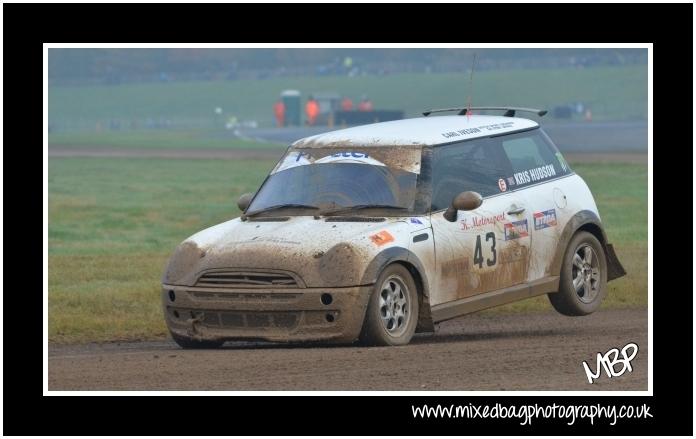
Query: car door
(537, 178)
(485, 249)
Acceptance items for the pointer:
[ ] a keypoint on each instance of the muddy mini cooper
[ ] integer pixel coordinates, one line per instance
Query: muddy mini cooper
(380, 231)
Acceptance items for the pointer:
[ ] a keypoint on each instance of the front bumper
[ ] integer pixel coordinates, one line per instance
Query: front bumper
(280, 314)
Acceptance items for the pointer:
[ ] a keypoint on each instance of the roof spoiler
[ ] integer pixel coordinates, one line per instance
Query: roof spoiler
(509, 111)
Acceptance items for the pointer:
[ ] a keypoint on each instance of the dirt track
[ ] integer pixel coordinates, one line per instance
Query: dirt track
(542, 351)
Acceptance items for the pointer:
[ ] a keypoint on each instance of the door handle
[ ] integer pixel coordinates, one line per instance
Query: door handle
(515, 210)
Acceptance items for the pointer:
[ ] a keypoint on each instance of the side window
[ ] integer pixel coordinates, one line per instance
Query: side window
(474, 165)
(532, 158)
(523, 153)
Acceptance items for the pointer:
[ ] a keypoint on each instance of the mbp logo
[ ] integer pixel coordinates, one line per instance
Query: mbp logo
(609, 361)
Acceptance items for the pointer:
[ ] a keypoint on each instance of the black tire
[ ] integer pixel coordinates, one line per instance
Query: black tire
(397, 300)
(191, 343)
(576, 299)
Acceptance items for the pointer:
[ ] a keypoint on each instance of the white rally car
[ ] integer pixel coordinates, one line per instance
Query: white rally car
(379, 231)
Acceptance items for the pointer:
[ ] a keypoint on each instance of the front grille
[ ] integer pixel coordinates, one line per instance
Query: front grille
(233, 320)
(227, 279)
(245, 297)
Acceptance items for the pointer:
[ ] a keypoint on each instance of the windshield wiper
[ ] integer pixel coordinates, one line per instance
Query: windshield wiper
(363, 206)
(281, 206)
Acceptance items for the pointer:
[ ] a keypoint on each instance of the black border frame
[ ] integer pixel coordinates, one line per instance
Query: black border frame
(27, 26)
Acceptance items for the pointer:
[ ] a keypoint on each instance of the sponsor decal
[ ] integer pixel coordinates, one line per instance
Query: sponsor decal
(301, 158)
(294, 158)
(416, 221)
(381, 238)
(476, 222)
(355, 155)
(510, 181)
(516, 230)
(535, 174)
(477, 130)
(502, 185)
(350, 157)
(302, 155)
(498, 126)
(462, 132)
(544, 219)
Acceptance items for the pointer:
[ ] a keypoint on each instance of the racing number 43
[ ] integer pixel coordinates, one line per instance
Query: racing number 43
(478, 253)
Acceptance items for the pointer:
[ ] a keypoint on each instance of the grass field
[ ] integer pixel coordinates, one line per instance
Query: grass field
(114, 222)
(613, 93)
(154, 139)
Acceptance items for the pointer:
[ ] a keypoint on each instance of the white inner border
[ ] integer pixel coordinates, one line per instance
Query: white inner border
(648, 46)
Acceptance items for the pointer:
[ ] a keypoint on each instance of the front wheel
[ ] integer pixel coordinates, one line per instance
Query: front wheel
(583, 283)
(392, 312)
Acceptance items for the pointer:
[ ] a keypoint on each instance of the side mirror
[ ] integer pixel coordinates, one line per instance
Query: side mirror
(465, 201)
(244, 201)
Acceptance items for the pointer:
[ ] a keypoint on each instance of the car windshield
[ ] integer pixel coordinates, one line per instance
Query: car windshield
(333, 181)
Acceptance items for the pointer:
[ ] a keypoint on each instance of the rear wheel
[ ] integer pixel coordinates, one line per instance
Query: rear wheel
(583, 283)
(392, 312)
(191, 343)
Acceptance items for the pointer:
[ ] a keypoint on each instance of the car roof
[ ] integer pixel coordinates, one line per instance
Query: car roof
(433, 130)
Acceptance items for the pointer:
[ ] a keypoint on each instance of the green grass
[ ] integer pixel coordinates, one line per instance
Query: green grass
(613, 93)
(114, 222)
(117, 206)
(152, 139)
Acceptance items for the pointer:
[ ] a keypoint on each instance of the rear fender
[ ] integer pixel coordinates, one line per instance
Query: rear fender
(590, 222)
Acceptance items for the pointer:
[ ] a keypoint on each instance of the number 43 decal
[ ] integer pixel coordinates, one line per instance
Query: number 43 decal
(478, 254)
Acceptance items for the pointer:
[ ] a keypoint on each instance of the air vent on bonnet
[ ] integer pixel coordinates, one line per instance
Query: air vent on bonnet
(354, 219)
(268, 219)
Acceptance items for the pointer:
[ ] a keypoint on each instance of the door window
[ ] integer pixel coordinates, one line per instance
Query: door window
(532, 158)
(474, 165)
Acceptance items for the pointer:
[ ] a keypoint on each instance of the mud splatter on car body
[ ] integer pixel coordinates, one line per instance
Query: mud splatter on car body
(302, 261)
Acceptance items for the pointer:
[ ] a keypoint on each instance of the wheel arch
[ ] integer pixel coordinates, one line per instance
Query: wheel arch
(586, 221)
(412, 263)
